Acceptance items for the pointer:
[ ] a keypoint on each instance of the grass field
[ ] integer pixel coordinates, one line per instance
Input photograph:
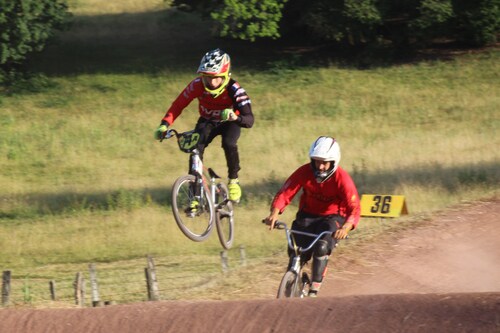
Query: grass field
(84, 181)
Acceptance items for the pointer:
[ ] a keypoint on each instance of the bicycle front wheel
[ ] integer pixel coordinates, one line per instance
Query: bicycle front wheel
(224, 217)
(289, 286)
(194, 215)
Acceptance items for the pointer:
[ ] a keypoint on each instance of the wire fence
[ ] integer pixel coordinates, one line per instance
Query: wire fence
(160, 278)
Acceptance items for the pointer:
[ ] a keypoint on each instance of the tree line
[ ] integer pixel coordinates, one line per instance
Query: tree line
(27, 25)
(402, 22)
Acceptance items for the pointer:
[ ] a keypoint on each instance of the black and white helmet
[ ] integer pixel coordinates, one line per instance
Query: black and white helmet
(325, 148)
(216, 63)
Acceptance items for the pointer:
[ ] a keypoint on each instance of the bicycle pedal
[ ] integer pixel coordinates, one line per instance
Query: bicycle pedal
(193, 208)
(191, 212)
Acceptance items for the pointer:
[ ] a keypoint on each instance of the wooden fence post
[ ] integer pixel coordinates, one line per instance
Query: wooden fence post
(151, 281)
(224, 261)
(6, 288)
(96, 301)
(243, 256)
(79, 286)
(52, 288)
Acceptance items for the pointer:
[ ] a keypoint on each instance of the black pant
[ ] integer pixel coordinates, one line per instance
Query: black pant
(230, 133)
(315, 224)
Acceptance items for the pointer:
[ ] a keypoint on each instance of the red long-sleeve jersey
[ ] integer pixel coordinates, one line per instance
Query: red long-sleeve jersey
(336, 195)
(233, 96)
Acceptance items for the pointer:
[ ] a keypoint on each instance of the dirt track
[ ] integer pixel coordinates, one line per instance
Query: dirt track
(443, 276)
(458, 251)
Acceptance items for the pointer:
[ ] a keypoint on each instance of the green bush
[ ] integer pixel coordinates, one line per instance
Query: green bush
(245, 20)
(477, 22)
(353, 20)
(249, 20)
(25, 28)
(433, 20)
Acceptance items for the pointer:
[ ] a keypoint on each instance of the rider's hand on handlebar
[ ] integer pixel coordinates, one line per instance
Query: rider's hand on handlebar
(269, 222)
(228, 115)
(272, 218)
(160, 131)
(342, 232)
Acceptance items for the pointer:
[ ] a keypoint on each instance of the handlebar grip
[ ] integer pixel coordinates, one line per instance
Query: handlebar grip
(168, 134)
(280, 225)
(277, 225)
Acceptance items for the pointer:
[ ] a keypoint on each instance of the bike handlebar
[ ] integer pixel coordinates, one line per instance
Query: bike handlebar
(187, 141)
(170, 133)
(283, 226)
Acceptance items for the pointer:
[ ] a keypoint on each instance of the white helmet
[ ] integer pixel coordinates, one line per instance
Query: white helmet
(325, 148)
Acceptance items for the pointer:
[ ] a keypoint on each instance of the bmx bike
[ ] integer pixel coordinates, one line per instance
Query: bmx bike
(198, 200)
(295, 281)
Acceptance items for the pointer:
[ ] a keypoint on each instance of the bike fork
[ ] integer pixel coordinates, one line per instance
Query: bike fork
(302, 281)
(197, 191)
(213, 189)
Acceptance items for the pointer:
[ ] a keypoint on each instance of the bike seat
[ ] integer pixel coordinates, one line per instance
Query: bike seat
(212, 173)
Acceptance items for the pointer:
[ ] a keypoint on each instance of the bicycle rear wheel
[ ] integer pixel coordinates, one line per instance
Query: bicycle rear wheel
(224, 217)
(196, 224)
(289, 286)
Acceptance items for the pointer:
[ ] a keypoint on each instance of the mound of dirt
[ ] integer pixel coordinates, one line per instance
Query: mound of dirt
(476, 312)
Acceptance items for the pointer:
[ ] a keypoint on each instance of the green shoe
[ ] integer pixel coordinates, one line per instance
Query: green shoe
(234, 190)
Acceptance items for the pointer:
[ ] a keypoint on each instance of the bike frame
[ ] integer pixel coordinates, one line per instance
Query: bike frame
(198, 168)
(211, 194)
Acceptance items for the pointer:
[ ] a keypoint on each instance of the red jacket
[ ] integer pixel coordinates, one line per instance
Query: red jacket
(234, 97)
(336, 195)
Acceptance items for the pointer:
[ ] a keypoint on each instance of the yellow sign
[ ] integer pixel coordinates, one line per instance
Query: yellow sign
(385, 205)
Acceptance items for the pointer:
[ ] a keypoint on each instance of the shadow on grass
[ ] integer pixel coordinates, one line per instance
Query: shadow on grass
(451, 180)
